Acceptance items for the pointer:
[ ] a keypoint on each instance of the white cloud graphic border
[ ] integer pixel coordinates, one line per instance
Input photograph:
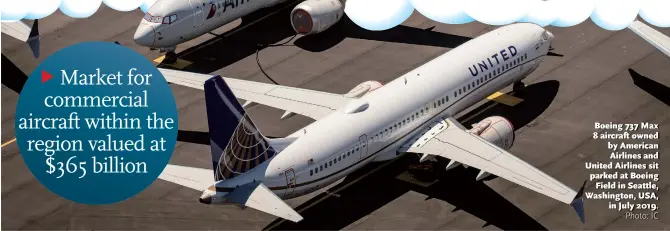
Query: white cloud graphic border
(386, 14)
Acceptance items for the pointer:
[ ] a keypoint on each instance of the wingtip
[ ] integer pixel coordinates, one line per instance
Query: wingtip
(34, 39)
(578, 203)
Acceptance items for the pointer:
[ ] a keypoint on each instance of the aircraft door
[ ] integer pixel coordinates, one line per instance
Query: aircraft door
(198, 12)
(363, 146)
(290, 182)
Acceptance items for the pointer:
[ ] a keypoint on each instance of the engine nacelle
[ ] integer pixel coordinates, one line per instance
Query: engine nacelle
(495, 129)
(361, 89)
(316, 16)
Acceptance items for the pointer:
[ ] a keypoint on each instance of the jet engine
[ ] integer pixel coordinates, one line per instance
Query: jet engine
(361, 89)
(315, 16)
(495, 129)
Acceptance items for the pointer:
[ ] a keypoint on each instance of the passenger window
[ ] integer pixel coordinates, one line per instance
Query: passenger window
(330, 163)
(439, 103)
(311, 172)
(434, 105)
(316, 170)
(459, 91)
(349, 153)
(395, 126)
(455, 94)
(357, 148)
(321, 168)
(447, 99)
(525, 56)
(344, 156)
(335, 161)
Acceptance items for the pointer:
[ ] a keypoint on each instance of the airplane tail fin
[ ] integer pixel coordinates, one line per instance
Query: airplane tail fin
(34, 39)
(236, 144)
(578, 203)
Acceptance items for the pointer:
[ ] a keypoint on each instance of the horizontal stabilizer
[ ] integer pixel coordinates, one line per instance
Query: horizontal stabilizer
(506, 99)
(194, 178)
(257, 196)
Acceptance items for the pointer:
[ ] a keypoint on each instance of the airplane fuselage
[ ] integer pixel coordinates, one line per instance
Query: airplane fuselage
(374, 127)
(172, 22)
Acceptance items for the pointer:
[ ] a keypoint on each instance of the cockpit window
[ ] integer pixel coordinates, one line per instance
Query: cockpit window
(158, 19)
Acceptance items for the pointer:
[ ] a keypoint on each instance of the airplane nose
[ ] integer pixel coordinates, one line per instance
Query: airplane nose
(145, 35)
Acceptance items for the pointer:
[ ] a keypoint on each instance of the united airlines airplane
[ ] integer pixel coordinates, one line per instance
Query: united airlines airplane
(25, 33)
(172, 22)
(411, 114)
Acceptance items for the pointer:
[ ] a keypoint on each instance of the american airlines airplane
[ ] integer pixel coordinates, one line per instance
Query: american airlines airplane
(172, 22)
(25, 33)
(411, 114)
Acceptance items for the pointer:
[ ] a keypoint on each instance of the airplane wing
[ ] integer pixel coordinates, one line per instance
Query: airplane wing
(654, 37)
(313, 104)
(23, 32)
(449, 139)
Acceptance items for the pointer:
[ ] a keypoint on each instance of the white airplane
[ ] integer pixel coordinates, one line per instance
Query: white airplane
(654, 37)
(25, 33)
(172, 22)
(411, 114)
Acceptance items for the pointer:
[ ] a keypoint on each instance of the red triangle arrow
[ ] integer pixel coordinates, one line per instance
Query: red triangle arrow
(46, 76)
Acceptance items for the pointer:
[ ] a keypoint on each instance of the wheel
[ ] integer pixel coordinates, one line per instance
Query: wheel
(170, 58)
(518, 85)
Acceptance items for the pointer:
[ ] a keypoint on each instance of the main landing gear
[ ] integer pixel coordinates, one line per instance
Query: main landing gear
(518, 86)
(170, 57)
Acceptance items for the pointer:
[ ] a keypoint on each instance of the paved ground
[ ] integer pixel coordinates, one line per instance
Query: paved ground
(566, 95)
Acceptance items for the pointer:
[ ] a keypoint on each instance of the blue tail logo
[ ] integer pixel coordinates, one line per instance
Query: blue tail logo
(236, 144)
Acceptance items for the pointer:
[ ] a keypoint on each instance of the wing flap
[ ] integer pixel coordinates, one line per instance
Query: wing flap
(257, 196)
(654, 37)
(313, 104)
(16, 29)
(459, 145)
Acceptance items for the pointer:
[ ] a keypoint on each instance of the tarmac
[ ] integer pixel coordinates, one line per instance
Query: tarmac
(602, 76)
